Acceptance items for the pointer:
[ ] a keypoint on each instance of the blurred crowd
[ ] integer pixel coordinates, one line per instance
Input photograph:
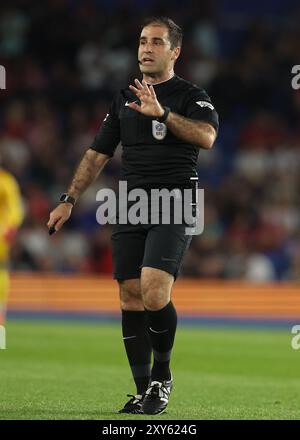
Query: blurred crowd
(64, 61)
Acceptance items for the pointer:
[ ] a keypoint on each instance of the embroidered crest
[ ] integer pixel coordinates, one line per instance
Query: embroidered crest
(159, 130)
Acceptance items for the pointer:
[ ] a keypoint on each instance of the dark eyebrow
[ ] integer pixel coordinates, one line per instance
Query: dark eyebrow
(154, 38)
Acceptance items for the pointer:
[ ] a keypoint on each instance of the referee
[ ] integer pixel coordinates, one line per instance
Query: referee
(161, 121)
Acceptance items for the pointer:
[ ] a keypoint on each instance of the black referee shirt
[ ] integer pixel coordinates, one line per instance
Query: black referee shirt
(152, 156)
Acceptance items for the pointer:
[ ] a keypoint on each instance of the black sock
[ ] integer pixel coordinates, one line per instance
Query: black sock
(162, 329)
(138, 347)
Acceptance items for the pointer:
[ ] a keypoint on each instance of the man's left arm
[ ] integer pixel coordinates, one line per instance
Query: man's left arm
(198, 126)
(199, 133)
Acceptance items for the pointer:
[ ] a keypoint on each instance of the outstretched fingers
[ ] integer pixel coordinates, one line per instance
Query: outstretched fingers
(152, 92)
(142, 89)
(135, 91)
(139, 85)
(146, 88)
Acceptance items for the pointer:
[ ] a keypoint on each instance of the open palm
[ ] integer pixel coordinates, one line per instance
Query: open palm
(149, 103)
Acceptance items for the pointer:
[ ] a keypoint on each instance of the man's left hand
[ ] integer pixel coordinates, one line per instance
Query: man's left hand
(149, 103)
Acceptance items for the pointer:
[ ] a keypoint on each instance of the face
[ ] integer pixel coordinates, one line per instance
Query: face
(155, 53)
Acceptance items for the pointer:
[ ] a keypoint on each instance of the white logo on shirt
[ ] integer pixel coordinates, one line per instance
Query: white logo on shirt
(127, 103)
(107, 115)
(159, 130)
(205, 104)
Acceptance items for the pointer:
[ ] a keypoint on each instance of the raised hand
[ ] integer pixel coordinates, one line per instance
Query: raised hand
(149, 103)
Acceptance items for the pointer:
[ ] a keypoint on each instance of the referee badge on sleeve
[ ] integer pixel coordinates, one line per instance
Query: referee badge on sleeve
(205, 104)
(159, 130)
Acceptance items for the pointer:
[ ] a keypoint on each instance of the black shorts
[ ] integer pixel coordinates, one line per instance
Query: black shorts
(161, 246)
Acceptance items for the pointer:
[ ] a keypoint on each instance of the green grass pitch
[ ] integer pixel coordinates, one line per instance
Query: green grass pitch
(73, 370)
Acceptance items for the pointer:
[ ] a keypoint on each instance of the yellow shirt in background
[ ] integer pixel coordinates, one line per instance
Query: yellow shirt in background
(11, 209)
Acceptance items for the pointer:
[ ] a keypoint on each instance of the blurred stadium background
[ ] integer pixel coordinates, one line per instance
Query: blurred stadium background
(64, 60)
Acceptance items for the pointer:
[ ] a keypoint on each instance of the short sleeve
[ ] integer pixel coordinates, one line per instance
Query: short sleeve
(108, 135)
(198, 106)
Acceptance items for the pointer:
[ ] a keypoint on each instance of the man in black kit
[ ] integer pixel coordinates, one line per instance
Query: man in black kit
(161, 121)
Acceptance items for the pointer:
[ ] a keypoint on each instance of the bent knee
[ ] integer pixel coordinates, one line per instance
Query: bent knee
(130, 295)
(156, 287)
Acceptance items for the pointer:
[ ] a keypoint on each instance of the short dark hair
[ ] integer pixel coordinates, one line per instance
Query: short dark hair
(175, 31)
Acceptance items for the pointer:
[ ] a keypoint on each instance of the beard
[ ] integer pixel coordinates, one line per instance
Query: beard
(152, 71)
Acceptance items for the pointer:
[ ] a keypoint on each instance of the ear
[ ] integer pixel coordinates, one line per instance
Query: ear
(176, 53)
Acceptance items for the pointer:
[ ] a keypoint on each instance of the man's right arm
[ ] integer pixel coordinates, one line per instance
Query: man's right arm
(92, 163)
(88, 170)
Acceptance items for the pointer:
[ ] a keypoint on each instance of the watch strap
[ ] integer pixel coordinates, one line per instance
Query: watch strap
(66, 198)
(165, 115)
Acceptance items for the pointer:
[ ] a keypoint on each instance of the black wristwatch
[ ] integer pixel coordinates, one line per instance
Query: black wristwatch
(165, 115)
(65, 198)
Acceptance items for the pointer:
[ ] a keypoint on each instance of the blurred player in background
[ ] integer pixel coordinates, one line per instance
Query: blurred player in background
(11, 217)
